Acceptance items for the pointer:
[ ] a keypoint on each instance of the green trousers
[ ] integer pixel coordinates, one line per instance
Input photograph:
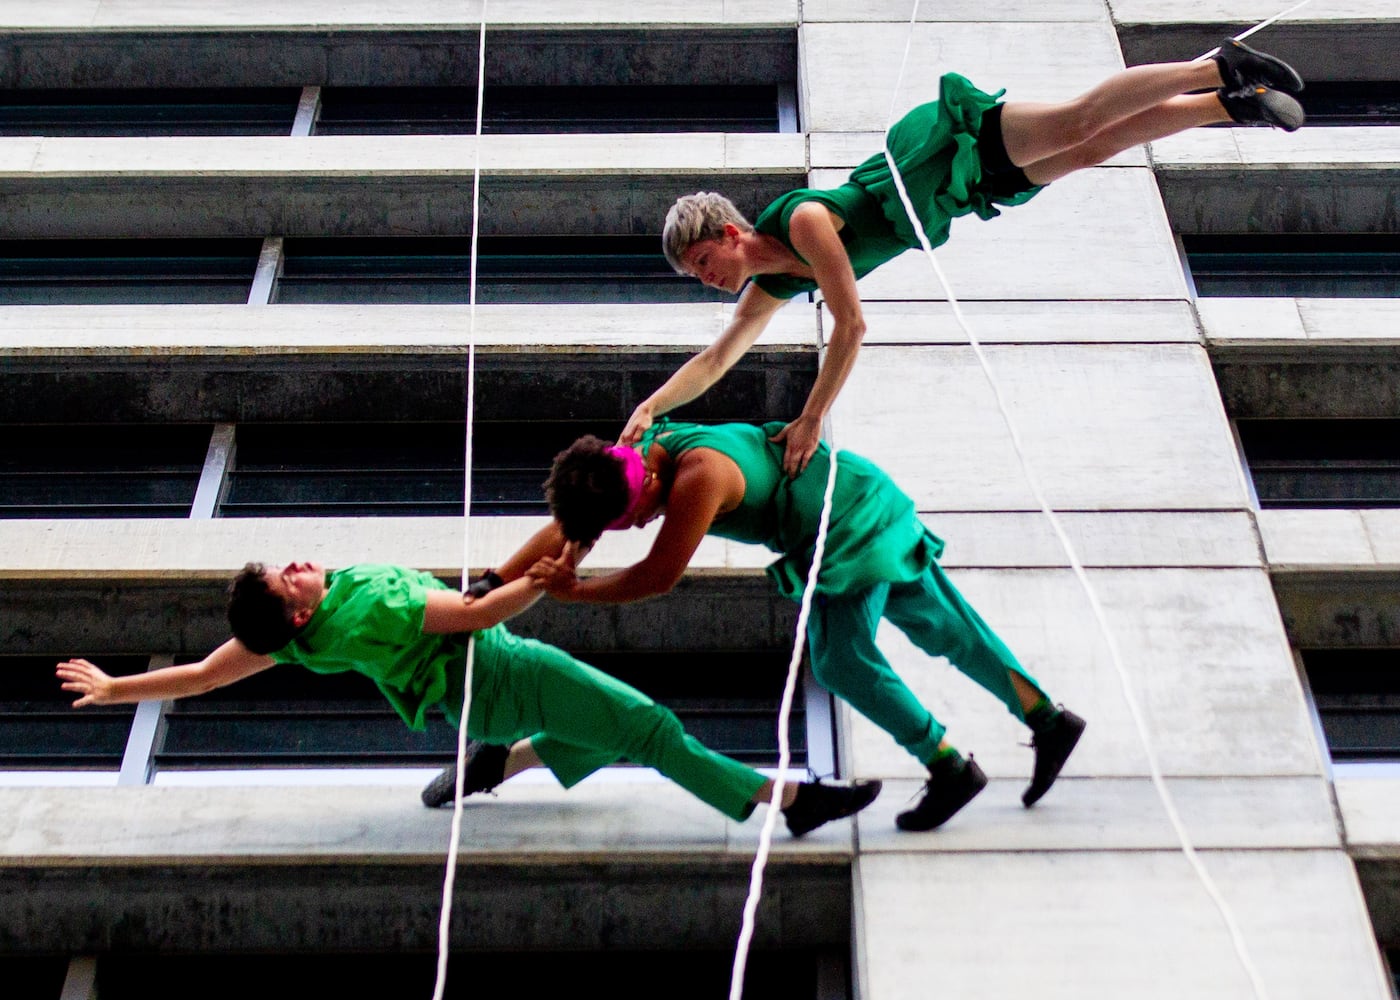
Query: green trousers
(582, 719)
(931, 612)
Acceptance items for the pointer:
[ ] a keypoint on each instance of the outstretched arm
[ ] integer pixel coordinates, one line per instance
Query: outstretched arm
(230, 662)
(813, 231)
(756, 307)
(447, 611)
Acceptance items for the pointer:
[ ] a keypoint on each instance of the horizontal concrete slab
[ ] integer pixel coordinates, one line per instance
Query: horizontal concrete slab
(1370, 811)
(1318, 149)
(1097, 234)
(1116, 814)
(95, 15)
(528, 820)
(1021, 322)
(30, 158)
(1307, 541)
(1261, 322)
(1204, 653)
(1246, 11)
(844, 150)
(956, 10)
(1033, 61)
(1115, 925)
(193, 331)
(1103, 427)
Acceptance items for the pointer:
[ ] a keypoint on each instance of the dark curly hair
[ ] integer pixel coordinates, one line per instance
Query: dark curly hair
(258, 617)
(586, 489)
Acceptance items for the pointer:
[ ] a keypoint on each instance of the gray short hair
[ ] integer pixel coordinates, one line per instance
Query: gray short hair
(696, 217)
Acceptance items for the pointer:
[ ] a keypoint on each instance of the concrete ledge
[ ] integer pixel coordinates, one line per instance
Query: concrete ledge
(1310, 541)
(114, 159)
(1318, 150)
(194, 331)
(1283, 322)
(1116, 814)
(1370, 812)
(523, 823)
(97, 15)
(1040, 322)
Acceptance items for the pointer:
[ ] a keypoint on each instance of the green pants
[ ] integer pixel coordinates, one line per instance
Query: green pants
(931, 612)
(582, 719)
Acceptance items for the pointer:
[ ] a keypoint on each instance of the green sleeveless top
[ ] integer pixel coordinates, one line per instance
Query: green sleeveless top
(874, 535)
(935, 147)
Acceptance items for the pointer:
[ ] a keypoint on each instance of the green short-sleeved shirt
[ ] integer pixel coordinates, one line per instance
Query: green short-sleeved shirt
(371, 622)
(935, 148)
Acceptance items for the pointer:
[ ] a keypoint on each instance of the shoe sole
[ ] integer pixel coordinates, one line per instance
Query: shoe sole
(1282, 110)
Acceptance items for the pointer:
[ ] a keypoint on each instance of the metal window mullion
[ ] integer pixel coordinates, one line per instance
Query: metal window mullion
(308, 110)
(80, 982)
(821, 725)
(147, 728)
(269, 269)
(218, 461)
(787, 107)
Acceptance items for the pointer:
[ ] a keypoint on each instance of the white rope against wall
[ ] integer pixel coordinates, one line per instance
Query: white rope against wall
(450, 876)
(770, 820)
(1115, 654)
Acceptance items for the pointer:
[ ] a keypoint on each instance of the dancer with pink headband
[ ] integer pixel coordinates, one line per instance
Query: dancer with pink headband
(880, 561)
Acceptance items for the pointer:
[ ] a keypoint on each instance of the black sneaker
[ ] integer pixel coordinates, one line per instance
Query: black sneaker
(1262, 106)
(1053, 742)
(816, 803)
(953, 782)
(1242, 67)
(486, 768)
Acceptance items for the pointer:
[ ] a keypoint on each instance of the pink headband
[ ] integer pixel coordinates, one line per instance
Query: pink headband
(634, 470)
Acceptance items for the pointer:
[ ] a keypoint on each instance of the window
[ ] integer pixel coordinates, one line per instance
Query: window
(87, 470)
(148, 111)
(98, 271)
(1357, 694)
(596, 268)
(1323, 463)
(1302, 265)
(39, 728)
(1352, 102)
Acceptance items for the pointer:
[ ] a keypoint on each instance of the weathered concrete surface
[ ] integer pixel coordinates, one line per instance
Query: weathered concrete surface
(1337, 541)
(1231, 324)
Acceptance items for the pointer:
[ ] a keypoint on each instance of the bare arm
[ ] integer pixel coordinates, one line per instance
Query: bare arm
(756, 307)
(813, 231)
(448, 611)
(548, 541)
(230, 662)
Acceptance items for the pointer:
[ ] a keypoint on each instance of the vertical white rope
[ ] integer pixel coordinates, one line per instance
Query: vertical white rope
(1100, 617)
(770, 820)
(450, 876)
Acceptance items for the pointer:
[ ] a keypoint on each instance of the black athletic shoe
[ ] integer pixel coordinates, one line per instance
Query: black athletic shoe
(1053, 742)
(1262, 106)
(1242, 68)
(486, 768)
(817, 804)
(953, 782)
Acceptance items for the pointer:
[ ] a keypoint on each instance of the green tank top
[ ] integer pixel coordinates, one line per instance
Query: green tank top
(874, 535)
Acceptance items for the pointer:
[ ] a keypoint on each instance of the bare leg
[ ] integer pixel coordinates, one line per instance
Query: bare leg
(522, 757)
(765, 793)
(1036, 131)
(1168, 118)
(1027, 693)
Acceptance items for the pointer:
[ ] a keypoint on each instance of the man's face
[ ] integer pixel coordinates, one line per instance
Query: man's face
(718, 263)
(301, 585)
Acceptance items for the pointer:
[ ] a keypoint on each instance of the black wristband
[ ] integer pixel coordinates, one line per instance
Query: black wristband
(485, 583)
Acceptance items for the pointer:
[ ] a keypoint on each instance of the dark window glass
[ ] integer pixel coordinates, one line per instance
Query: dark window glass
(140, 111)
(289, 716)
(1357, 693)
(359, 470)
(789, 974)
(514, 109)
(38, 977)
(124, 470)
(79, 272)
(1296, 265)
(39, 728)
(1323, 463)
(559, 269)
(1352, 102)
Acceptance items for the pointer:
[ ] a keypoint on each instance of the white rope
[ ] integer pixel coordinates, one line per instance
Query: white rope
(450, 876)
(1115, 654)
(770, 820)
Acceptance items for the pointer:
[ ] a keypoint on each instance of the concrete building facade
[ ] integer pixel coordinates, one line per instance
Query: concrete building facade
(1126, 387)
